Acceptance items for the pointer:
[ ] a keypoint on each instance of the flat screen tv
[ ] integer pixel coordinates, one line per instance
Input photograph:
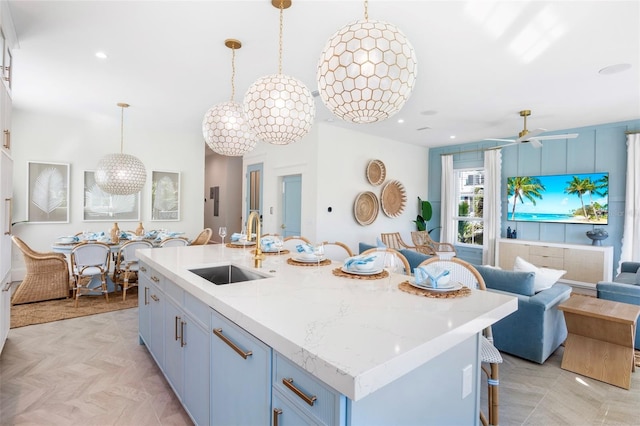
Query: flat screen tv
(569, 198)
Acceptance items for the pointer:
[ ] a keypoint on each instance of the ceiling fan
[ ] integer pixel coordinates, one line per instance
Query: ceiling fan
(532, 136)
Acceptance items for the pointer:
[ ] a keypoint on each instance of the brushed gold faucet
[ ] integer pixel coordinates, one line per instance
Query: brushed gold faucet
(258, 257)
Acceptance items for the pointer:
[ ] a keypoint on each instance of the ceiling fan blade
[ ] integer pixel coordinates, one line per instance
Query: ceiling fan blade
(565, 136)
(535, 143)
(531, 134)
(499, 140)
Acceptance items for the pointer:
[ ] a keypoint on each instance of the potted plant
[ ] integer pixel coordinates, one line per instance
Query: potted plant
(424, 217)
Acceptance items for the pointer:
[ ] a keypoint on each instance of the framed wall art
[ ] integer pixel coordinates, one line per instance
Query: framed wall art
(165, 195)
(100, 206)
(48, 192)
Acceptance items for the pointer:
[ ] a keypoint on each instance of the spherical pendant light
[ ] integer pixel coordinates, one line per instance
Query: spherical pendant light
(280, 108)
(120, 174)
(366, 71)
(225, 127)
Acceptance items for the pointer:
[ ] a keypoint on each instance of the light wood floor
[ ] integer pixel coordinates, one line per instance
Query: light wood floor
(92, 371)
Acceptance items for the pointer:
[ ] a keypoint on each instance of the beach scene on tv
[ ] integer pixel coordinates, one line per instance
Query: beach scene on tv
(569, 198)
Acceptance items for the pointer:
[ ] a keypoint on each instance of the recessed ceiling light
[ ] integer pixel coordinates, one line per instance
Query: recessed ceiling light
(101, 55)
(400, 120)
(452, 137)
(614, 69)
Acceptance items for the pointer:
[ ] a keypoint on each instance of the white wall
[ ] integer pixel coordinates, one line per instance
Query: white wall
(332, 162)
(59, 139)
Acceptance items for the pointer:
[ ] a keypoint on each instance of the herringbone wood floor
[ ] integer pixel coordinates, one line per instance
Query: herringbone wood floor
(92, 371)
(84, 371)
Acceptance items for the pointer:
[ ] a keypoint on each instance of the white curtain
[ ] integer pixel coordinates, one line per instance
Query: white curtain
(631, 234)
(492, 204)
(448, 201)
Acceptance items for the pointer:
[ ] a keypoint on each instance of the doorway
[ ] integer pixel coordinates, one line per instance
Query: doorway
(291, 205)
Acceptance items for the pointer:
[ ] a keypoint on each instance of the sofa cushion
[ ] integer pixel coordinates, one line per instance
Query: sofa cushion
(628, 278)
(545, 277)
(509, 281)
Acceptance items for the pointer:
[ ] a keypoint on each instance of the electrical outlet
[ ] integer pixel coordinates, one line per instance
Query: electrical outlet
(467, 380)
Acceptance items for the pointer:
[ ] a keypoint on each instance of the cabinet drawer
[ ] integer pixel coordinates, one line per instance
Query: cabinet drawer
(152, 275)
(198, 310)
(547, 261)
(546, 251)
(284, 413)
(302, 388)
(175, 292)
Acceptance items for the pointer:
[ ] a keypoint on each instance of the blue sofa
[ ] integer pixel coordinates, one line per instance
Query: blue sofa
(537, 328)
(624, 288)
(413, 257)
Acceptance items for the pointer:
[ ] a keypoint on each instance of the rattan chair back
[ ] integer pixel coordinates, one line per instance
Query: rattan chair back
(89, 260)
(203, 237)
(425, 244)
(335, 250)
(127, 264)
(174, 242)
(394, 240)
(47, 275)
(403, 260)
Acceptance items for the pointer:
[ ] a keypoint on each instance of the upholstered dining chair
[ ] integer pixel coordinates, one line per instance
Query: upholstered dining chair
(173, 242)
(403, 260)
(425, 244)
(127, 264)
(202, 238)
(290, 242)
(464, 273)
(394, 240)
(89, 260)
(47, 275)
(335, 250)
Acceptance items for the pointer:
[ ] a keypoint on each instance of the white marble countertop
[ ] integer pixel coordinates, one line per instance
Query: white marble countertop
(355, 335)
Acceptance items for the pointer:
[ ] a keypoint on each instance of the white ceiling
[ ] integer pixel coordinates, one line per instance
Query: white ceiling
(477, 61)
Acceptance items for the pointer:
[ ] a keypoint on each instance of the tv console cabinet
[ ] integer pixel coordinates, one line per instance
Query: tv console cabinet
(585, 264)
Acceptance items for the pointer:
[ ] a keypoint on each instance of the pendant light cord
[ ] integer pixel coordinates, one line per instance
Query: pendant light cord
(280, 42)
(122, 130)
(366, 10)
(233, 73)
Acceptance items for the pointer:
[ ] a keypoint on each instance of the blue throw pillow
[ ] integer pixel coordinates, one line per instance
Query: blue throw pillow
(509, 281)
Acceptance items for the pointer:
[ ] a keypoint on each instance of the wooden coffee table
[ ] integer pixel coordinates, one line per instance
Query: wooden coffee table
(600, 339)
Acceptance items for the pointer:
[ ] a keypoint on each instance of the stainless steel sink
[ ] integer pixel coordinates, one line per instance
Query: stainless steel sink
(227, 274)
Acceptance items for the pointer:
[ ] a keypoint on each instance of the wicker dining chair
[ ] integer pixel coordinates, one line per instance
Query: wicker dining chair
(47, 275)
(425, 244)
(464, 273)
(394, 240)
(89, 260)
(403, 260)
(173, 242)
(202, 238)
(335, 250)
(127, 265)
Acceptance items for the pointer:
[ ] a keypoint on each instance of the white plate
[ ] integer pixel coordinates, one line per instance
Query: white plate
(450, 287)
(308, 260)
(372, 272)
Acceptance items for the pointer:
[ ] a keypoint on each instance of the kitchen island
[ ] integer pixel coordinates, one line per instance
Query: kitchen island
(330, 350)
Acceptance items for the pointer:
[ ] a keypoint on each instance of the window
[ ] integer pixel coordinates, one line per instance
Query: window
(470, 197)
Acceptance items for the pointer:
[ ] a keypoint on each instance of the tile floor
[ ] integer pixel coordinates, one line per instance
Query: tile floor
(92, 371)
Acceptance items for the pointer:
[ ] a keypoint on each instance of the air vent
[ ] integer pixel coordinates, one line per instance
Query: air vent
(424, 128)
(315, 93)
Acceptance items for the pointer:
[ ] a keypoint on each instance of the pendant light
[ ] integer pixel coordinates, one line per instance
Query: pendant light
(120, 174)
(225, 128)
(280, 108)
(366, 71)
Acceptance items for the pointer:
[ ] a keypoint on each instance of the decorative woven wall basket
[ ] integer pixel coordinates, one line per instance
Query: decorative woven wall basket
(393, 198)
(365, 208)
(376, 172)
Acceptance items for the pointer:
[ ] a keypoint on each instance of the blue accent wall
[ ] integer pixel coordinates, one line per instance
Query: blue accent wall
(600, 148)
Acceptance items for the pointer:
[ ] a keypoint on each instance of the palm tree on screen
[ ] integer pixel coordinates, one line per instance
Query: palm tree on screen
(579, 187)
(524, 186)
